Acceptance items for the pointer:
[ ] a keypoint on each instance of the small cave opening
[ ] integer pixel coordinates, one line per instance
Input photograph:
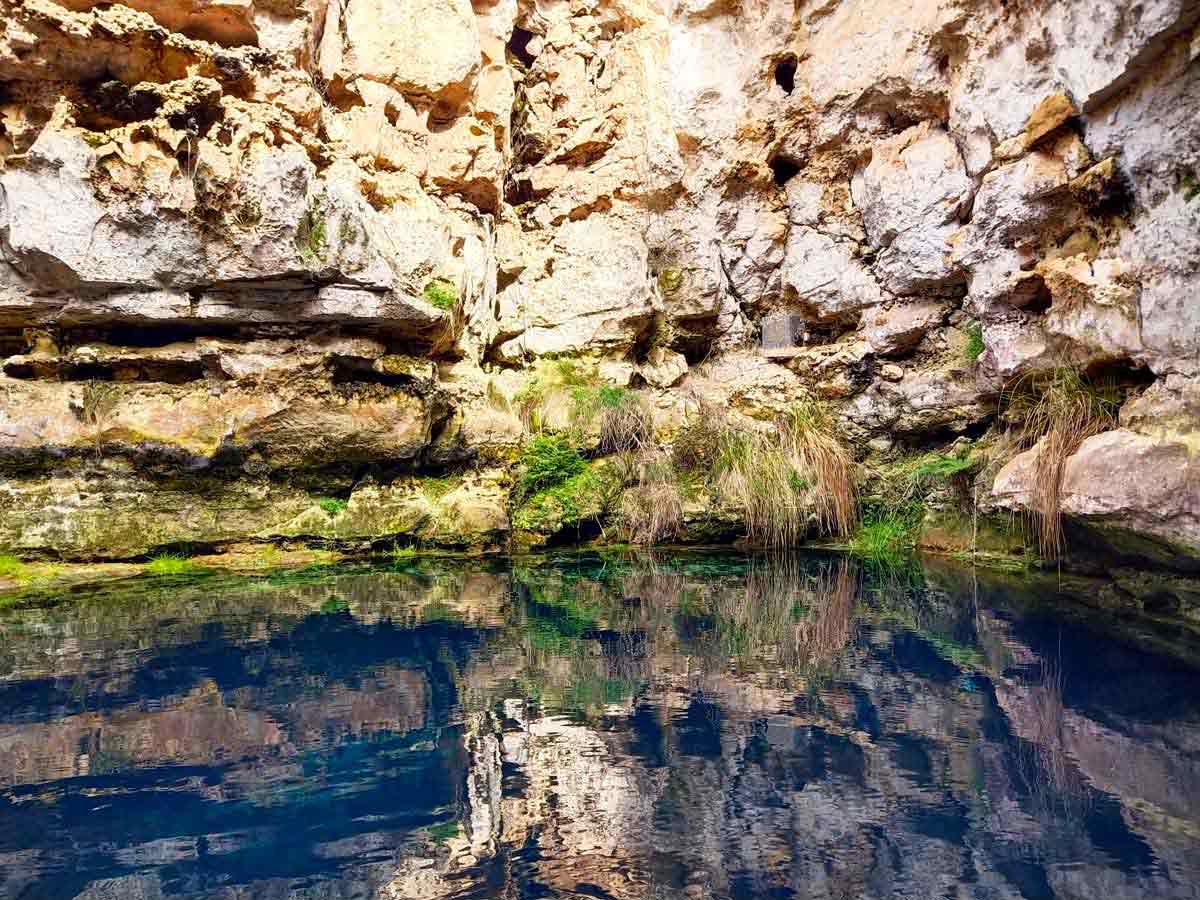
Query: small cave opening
(1034, 296)
(518, 45)
(785, 73)
(783, 169)
(111, 103)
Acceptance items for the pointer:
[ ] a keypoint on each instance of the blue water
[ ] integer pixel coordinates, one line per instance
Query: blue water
(688, 725)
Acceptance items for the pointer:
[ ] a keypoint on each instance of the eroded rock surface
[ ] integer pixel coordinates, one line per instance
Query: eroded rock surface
(327, 243)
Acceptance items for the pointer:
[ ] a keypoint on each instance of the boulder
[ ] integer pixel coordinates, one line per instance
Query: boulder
(897, 328)
(663, 368)
(911, 195)
(826, 277)
(1121, 481)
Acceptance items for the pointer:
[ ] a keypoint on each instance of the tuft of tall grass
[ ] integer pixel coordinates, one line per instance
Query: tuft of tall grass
(974, 347)
(888, 536)
(781, 478)
(814, 450)
(652, 510)
(1057, 411)
(753, 472)
(568, 395)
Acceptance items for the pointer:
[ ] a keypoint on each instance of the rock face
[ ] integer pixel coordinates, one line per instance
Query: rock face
(318, 249)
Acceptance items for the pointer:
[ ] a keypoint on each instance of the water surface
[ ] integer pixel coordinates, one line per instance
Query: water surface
(696, 725)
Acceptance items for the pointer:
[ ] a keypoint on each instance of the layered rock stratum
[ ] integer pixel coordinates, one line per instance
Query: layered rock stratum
(258, 252)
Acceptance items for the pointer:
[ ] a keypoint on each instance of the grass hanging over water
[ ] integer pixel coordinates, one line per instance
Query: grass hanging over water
(785, 478)
(1057, 411)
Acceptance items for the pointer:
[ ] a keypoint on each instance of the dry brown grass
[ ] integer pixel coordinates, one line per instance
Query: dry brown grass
(625, 421)
(1060, 410)
(782, 479)
(652, 510)
(812, 446)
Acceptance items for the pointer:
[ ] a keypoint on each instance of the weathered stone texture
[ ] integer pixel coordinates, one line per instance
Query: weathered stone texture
(245, 212)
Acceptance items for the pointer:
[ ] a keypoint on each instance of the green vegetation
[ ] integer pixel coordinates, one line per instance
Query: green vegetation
(548, 461)
(624, 422)
(332, 505)
(10, 566)
(435, 489)
(1057, 411)
(567, 396)
(937, 467)
(1190, 186)
(669, 281)
(975, 346)
(267, 556)
(310, 232)
(894, 509)
(889, 536)
(443, 832)
(170, 564)
(589, 494)
(441, 293)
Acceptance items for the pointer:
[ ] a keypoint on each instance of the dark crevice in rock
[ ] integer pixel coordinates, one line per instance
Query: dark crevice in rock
(783, 169)
(1122, 376)
(785, 73)
(518, 45)
(112, 103)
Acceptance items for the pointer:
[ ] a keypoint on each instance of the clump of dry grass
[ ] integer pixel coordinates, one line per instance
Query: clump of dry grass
(754, 474)
(570, 396)
(811, 444)
(783, 478)
(652, 509)
(697, 445)
(1058, 410)
(624, 420)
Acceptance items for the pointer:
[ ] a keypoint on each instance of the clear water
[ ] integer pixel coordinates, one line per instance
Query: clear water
(681, 726)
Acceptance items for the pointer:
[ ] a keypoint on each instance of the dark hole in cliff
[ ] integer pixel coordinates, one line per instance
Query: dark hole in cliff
(112, 102)
(1121, 375)
(351, 372)
(783, 169)
(198, 119)
(586, 530)
(860, 374)
(785, 74)
(518, 191)
(1116, 198)
(1036, 297)
(518, 44)
(504, 279)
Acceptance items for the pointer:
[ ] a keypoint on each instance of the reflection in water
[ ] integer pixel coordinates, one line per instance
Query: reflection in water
(692, 725)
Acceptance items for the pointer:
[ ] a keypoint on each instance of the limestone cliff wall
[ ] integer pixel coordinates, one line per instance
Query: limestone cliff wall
(255, 252)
